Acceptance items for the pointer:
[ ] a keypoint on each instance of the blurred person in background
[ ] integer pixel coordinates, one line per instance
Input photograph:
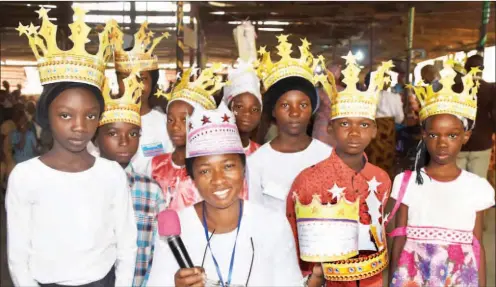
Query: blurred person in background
(23, 139)
(476, 153)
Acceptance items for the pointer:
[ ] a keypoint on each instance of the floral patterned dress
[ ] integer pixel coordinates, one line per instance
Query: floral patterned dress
(437, 257)
(440, 247)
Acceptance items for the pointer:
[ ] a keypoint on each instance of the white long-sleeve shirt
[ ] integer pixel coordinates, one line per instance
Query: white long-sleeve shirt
(271, 173)
(390, 105)
(265, 241)
(69, 228)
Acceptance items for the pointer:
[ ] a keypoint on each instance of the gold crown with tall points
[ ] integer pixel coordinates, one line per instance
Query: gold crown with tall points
(304, 67)
(447, 101)
(197, 92)
(127, 107)
(140, 54)
(351, 102)
(74, 65)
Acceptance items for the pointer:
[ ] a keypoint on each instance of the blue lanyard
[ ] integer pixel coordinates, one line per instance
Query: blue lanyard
(231, 265)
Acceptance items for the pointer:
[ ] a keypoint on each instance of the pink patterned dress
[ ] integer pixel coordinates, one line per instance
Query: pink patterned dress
(440, 248)
(251, 148)
(176, 185)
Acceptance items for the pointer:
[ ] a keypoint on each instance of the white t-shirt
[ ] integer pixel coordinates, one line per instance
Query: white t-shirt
(154, 141)
(69, 228)
(274, 254)
(451, 205)
(390, 105)
(271, 173)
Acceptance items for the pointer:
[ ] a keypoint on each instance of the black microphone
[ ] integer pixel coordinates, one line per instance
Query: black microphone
(170, 227)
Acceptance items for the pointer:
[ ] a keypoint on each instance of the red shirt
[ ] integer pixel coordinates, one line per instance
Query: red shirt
(371, 184)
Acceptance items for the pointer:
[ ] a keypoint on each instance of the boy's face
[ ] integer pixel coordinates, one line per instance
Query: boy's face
(248, 112)
(176, 122)
(352, 135)
(118, 141)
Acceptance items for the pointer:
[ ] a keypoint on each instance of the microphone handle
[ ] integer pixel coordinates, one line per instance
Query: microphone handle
(177, 247)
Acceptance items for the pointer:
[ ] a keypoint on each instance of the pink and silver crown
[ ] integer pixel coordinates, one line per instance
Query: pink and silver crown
(212, 132)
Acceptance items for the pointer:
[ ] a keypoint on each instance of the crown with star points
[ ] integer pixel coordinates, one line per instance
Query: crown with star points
(343, 216)
(127, 107)
(351, 102)
(74, 65)
(304, 67)
(447, 101)
(198, 92)
(142, 52)
(212, 132)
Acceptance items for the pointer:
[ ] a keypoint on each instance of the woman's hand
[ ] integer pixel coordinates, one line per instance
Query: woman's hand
(186, 277)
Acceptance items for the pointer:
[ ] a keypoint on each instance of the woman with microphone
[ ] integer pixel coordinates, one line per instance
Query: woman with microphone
(230, 241)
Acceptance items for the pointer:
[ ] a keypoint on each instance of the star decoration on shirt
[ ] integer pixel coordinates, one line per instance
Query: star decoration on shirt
(373, 184)
(304, 43)
(32, 29)
(225, 118)
(206, 120)
(337, 192)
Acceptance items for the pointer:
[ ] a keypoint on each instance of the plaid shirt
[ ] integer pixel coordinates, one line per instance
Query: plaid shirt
(148, 201)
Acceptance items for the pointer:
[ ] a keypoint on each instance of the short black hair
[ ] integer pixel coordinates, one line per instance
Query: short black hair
(189, 164)
(51, 91)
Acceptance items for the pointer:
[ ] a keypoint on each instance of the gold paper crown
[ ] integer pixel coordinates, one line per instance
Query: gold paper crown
(354, 103)
(140, 54)
(127, 107)
(200, 91)
(304, 67)
(343, 209)
(447, 101)
(75, 65)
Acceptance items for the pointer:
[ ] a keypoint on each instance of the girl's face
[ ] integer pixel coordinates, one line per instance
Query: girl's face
(176, 122)
(118, 141)
(73, 117)
(146, 78)
(219, 178)
(444, 136)
(248, 112)
(293, 111)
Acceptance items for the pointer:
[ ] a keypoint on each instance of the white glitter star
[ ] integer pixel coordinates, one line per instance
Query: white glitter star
(336, 191)
(373, 184)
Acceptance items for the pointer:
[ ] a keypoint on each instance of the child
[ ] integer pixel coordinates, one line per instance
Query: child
(291, 98)
(335, 207)
(118, 140)
(169, 169)
(154, 139)
(23, 139)
(438, 240)
(242, 96)
(73, 220)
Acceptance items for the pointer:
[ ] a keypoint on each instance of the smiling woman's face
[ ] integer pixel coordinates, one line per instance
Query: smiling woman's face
(219, 178)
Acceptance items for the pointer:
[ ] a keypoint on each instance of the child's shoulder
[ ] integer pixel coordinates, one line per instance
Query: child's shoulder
(380, 174)
(108, 166)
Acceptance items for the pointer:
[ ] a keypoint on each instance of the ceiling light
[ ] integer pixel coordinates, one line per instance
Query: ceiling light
(359, 55)
(220, 4)
(20, 63)
(234, 22)
(218, 13)
(48, 6)
(272, 23)
(271, 29)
